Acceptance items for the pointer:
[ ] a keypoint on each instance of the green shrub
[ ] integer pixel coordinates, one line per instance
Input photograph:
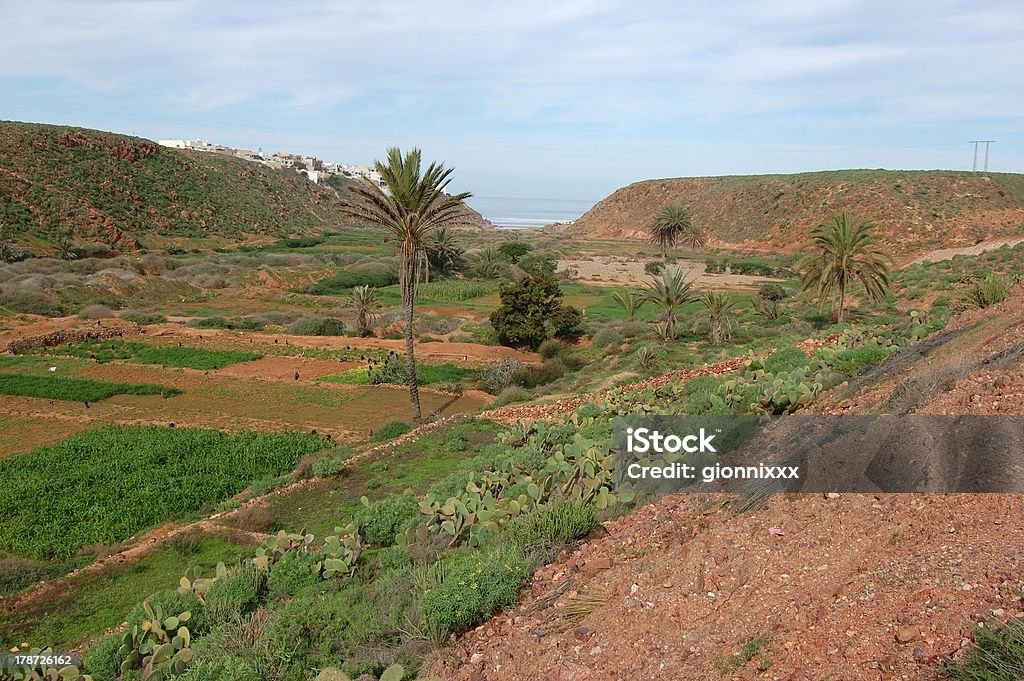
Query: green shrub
(849, 362)
(137, 317)
(344, 280)
(531, 311)
(532, 375)
(383, 520)
(785, 359)
(95, 312)
(19, 573)
(473, 587)
(605, 336)
(771, 292)
(327, 467)
(514, 250)
(230, 597)
(551, 348)
(316, 325)
(654, 268)
(512, 394)
(32, 302)
(391, 430)
(548, 528)
(292, 573)
(101, 660)
(998, 655)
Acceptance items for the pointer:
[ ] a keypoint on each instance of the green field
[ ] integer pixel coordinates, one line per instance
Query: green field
(76, 389)
(105, 485)
(172, 356)
(427, 374)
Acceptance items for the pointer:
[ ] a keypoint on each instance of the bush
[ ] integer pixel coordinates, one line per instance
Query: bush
(391, 430)
(472, 588)
(316, 325)
(95, 312)
(998, 655)
(552, 348)
(536, 265)
(988, 291)
(514, 250)
(500, 376)
(101, 660)
(785, 359)
(383, 520)
(229, 598)
(531, 311)
(32, 302)
(549, 528)
(654, 268)
(605, 336)
(849, 362)
(531, 375)
(325, 468)
(512, 394)
(771, 292)
(137, 317)
(344, 280)
(292, 573)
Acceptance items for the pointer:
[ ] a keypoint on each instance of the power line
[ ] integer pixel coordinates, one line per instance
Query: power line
(974, 166)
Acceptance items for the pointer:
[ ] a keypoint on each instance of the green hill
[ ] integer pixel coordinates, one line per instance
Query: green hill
(123, 192)
(915, 210)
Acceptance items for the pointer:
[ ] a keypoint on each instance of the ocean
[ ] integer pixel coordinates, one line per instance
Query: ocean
(517, 213)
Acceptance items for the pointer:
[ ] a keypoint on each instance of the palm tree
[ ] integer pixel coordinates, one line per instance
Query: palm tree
(670, 223)
(718, 305)
(443, 252)
(412, 205)
(670, 293)
(842, 251)
(489, 263)
(630, 301)
(363, 300)
(694, 236)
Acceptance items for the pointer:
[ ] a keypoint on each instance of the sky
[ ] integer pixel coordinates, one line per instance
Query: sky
(537, 98)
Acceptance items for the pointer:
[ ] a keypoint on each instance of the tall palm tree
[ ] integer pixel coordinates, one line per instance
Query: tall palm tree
(671, 292)
(694, 236)
(669, 224)
(363, 300)
(842, 251)
(718, 305)
(630, 301)
(412, 205)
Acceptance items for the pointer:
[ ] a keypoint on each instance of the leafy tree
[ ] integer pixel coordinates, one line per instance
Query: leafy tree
(842, 251)
(718, 305)
(535, 264)
(514, 250)
(631, 301)
(363, 300)
(670, 293)
(413, 205)
(531, 311)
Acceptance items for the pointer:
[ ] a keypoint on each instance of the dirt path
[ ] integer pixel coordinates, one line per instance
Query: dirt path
(977, 249)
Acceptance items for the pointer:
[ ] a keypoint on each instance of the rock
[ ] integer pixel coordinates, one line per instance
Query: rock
(583, 633)
(477, 658)
(907, 634)
(598, 564)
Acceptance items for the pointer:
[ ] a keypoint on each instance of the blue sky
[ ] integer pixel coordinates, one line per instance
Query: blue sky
(536, 98)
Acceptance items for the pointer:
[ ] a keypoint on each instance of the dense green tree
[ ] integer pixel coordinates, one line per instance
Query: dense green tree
(514, 250)
(840, 252)
(412, 205)
(531, 311)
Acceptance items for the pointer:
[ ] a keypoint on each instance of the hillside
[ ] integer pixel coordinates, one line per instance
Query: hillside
(126, 191)
(915, 210)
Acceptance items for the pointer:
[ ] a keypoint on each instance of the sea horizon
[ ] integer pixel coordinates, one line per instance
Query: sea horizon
(507, 212)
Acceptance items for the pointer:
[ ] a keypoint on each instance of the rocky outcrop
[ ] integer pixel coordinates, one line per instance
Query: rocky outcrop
(49, 340)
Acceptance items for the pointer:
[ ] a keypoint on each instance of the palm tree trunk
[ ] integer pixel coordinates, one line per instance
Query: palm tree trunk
(842, 302)
(408, 302)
